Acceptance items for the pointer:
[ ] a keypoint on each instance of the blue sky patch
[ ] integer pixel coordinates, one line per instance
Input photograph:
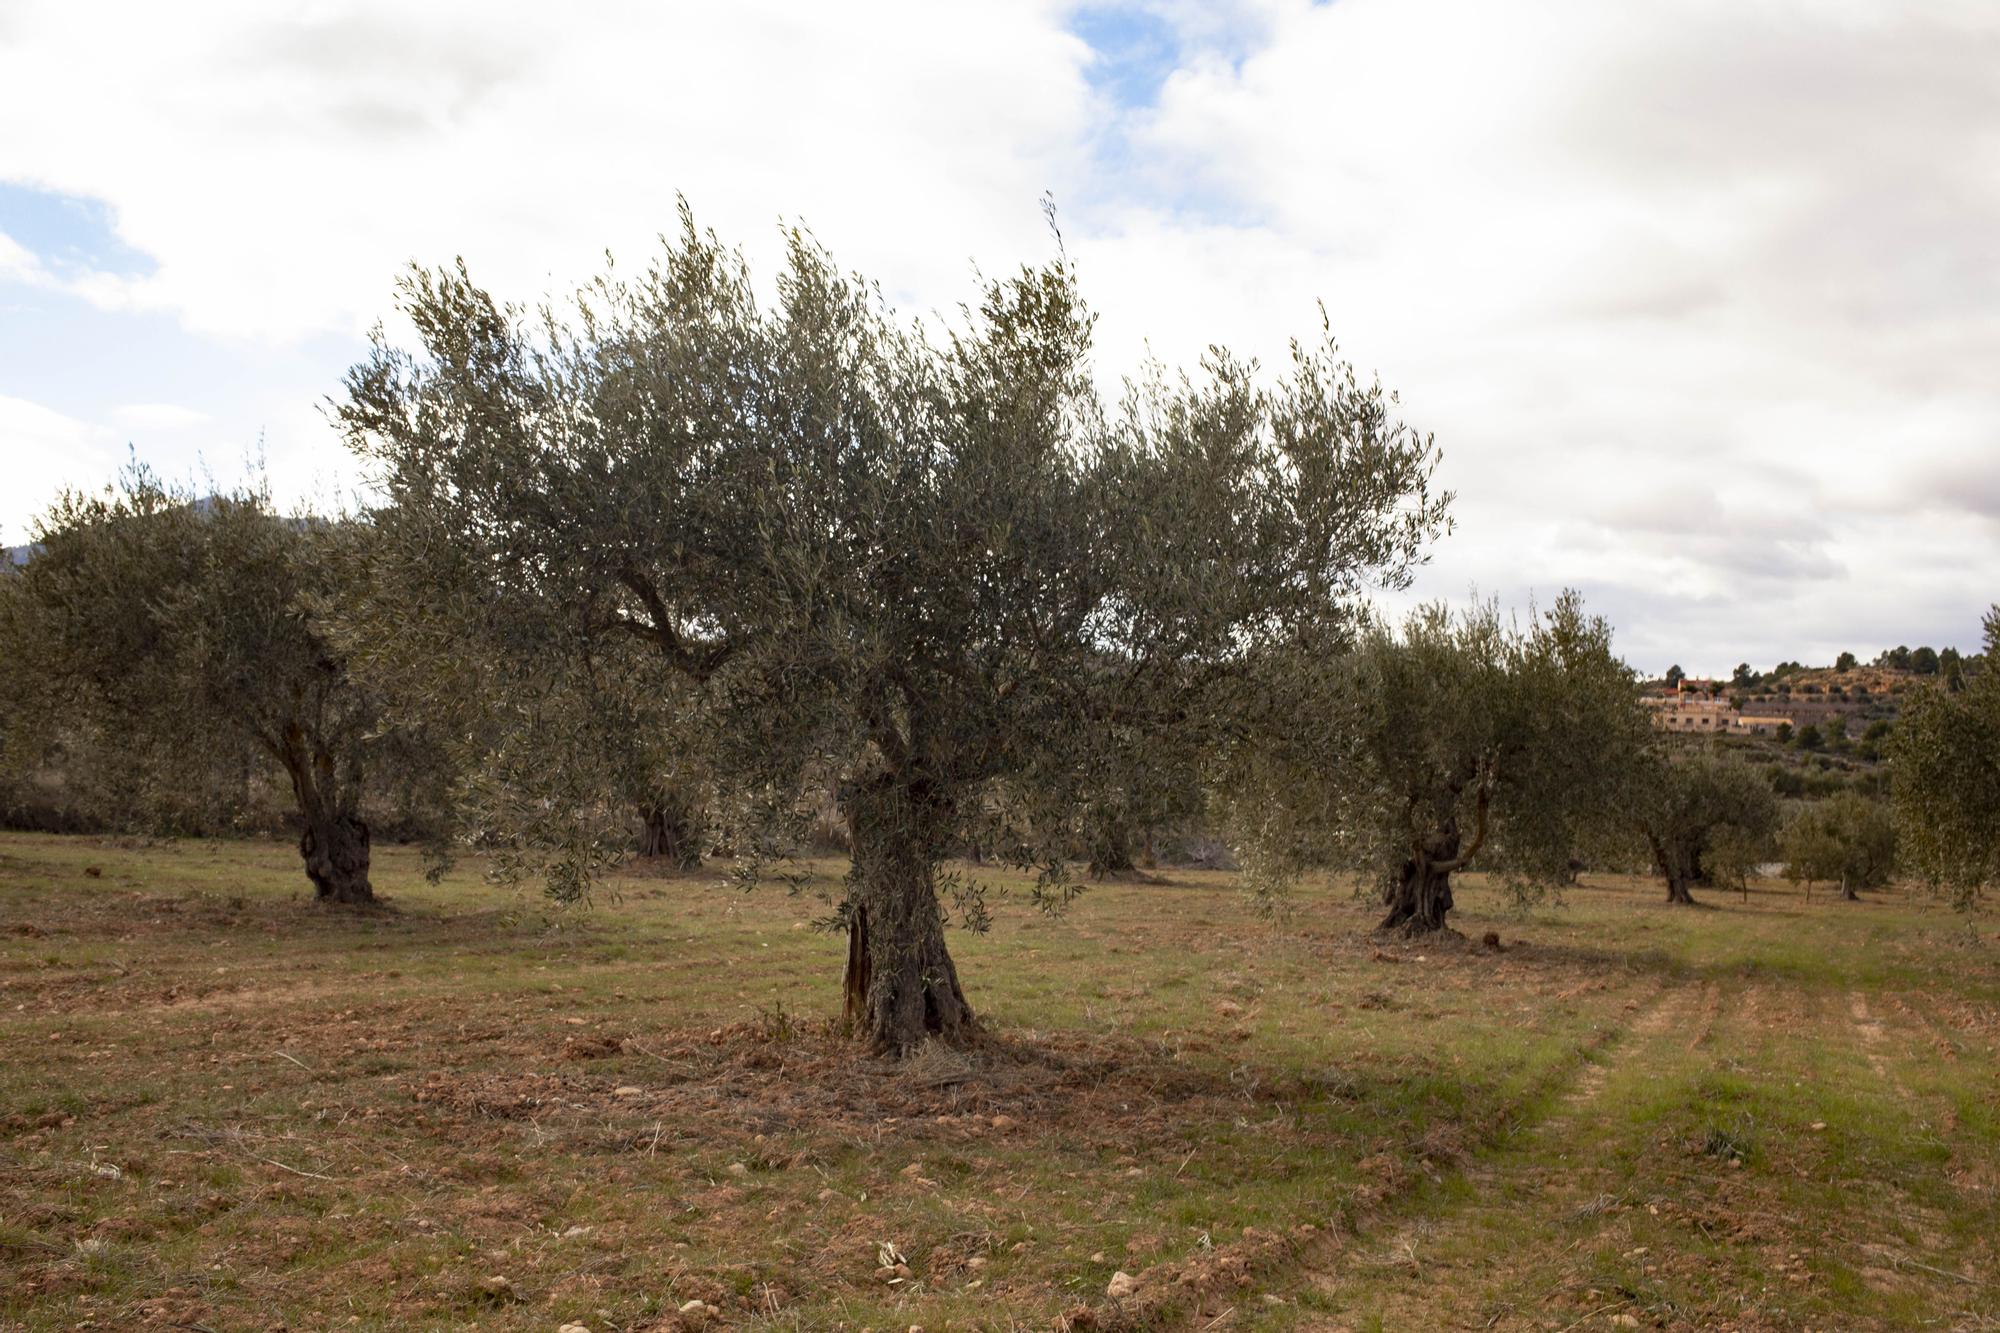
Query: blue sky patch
(67, 233)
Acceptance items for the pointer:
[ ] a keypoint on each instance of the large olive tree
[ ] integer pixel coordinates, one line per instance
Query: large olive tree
(167, 625)
(918, 566)
(1695, 809)
(1848, 840)
(1945, 776)
(1463, 738)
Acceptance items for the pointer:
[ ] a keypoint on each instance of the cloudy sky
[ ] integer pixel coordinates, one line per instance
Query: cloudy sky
(1701, 297)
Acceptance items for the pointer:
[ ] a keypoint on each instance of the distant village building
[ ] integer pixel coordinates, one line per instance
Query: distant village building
(1686, 709)
(1694, 706)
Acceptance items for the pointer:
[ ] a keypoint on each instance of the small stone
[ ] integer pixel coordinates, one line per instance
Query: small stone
(497, 1286)
(1122, 1285)
(1097, 1258)
(825, 1195)
(694, 1306)
(1003, 1122)
(1817, 1126)
(738, 1170)
(1625, 1321)
(574, 1328)
(976, 1262)
(628, 1090)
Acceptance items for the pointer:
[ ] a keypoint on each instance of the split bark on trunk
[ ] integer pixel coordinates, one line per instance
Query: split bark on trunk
(1674, 868)
(1418, 899)
(901, 987)
(667, 829)
(1111, 852)
(1420, 896)
(335, 848)
(334, 844)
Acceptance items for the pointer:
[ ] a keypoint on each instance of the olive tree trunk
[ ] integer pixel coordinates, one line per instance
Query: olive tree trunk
(335, 849)
(334, 845)
(1418, 898)
(1678, 868)
(1111, 850)
(901, 987)
(668, 830)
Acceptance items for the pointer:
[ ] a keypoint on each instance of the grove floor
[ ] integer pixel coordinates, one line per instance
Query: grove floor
(221, 1109)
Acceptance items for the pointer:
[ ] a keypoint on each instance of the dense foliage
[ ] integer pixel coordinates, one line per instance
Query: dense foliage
(1847, 840)
(1704, 816)
(1461, 736)
(1946, 786)
(932, 572)
(153, 630)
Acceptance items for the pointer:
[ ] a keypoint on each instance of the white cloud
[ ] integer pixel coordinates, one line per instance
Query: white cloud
(158, 416)
(283, 165)
(1700, 296)
(43, 451)
(17, 262)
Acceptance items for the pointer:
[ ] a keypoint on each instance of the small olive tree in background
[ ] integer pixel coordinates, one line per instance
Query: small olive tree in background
(1462, 739)
(169, 626)
(929, 570)
(1705, 817)
(1945, 776)
(1847, 840)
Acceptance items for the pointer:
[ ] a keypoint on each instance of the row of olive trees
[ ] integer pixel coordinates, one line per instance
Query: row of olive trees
(686, 551)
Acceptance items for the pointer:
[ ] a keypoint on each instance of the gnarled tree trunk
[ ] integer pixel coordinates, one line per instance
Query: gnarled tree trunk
(1418, 898)
(335, 849)
(668, 830)
(334, 845)
(901, 987)
(1680, 871)
(1111, 850)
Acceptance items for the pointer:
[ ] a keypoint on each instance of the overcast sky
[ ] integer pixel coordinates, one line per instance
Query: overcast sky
(1701, 299)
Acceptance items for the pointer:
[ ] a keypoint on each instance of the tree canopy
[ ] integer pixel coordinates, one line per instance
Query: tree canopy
(1461, 736)
(1945, 783)
(1847, 840)
(166, 624)
(917, 567)
(1696, 810)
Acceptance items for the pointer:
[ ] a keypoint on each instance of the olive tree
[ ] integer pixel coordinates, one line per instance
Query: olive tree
(170, 626)
(1700, 812)
(1945, 777)
(1846, 839)
(918, 565)
(1463, 738)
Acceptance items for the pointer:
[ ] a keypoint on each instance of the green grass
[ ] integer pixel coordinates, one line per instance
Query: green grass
(222, 1108)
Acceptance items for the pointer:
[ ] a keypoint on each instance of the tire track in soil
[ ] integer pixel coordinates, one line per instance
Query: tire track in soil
(1657, 1017)
(1869, 1029)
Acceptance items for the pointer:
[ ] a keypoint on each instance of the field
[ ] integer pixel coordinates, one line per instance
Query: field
(221, 1109)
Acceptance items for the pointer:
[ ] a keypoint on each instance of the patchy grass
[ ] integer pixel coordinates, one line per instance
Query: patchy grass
(221, 1108)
